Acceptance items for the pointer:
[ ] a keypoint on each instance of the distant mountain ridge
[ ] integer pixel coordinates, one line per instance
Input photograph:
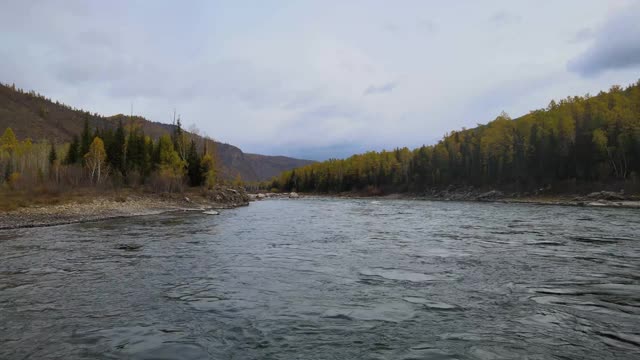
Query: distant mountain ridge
(32, 115)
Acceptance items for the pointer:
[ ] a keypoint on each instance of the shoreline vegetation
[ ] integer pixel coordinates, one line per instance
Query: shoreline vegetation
(105, 172)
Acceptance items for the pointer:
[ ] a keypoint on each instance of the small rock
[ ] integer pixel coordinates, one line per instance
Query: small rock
(294, 195)
(128, 247)
(211, 212)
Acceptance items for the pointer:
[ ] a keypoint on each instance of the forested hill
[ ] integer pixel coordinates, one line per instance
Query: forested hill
(576, 143)
(34, 116)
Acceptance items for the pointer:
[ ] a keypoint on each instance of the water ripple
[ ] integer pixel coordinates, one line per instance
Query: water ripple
(328, 279)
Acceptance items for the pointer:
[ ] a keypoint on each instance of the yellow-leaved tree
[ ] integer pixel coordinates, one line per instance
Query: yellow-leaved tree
(208, 166)
(95, 159)
(172, 168)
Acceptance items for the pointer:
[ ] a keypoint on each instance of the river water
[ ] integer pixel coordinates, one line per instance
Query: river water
(328, 279)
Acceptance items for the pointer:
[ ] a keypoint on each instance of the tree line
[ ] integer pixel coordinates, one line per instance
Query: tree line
(124, 156)
(578, 140)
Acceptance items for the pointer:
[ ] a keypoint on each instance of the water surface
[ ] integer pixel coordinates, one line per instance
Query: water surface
(328, 279)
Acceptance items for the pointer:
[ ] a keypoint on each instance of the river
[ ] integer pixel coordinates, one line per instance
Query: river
(328, 279)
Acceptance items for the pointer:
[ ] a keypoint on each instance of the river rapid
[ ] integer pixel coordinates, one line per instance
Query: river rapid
(328, 279)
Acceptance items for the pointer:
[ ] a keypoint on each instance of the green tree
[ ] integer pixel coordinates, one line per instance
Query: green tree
(73, 152)
(209, 172)
(172, 167)
(115, 147)
(53, 155)
(8, 141)
(85, 138)
(194, 167)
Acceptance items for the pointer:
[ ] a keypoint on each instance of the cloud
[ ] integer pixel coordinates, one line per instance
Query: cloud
(582, 35)
(616, 46)
(352, 80)
(428, 25)
(504, 18)
(384, 88)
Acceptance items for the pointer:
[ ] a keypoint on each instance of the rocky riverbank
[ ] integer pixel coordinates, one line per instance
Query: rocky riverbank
(600, 198)
(107, 206)
(271, 195)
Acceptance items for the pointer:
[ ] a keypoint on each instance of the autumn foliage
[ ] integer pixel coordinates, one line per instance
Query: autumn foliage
(104, 157)
(573, 142)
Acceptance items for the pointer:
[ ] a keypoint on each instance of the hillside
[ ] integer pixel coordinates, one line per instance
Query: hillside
(578, 144)
(35, 116)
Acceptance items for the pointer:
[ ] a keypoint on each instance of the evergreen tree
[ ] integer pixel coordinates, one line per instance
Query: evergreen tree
(194, 169)
(53, 155)
(85, 138)
(115, 145)
(72, 154)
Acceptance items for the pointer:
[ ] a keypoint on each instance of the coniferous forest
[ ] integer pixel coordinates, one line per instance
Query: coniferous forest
(573, 143)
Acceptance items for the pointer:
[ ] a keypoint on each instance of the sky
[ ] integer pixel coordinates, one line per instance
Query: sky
(319, 79)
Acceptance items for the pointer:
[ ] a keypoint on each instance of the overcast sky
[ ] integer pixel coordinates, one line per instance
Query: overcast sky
(319, 79)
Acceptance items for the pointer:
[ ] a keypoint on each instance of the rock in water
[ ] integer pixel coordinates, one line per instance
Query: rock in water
(211, 212)
(128, 247)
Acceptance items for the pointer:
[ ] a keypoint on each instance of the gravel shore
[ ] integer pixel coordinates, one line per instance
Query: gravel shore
(108, 207)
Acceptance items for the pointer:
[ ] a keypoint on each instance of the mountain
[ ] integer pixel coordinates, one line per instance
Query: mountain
(32, 115)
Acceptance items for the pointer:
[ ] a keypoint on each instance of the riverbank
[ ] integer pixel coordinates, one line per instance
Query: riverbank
(594, 199)
(109, 205)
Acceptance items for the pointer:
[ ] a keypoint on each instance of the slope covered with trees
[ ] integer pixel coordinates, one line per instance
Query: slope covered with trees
(573, 143)
(105, 156)
(32, 115)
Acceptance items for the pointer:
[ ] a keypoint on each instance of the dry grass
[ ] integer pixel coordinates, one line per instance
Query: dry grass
(43, 196)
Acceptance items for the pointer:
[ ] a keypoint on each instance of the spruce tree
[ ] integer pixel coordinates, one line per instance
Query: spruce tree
(53, 155)
(116, 148)
(85, 139)
(194, 170)
(74, 148)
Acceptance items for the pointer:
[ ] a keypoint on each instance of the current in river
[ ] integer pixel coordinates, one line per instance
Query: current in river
(328, 279)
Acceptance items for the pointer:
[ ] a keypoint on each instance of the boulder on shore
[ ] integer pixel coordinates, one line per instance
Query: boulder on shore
(490, 195)
(606, 195)
(293, 195)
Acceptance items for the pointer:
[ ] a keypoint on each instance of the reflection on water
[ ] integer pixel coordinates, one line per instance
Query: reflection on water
(328, 279)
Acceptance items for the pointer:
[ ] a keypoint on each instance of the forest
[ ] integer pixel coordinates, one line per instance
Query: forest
(108, 158)
(574, 143)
